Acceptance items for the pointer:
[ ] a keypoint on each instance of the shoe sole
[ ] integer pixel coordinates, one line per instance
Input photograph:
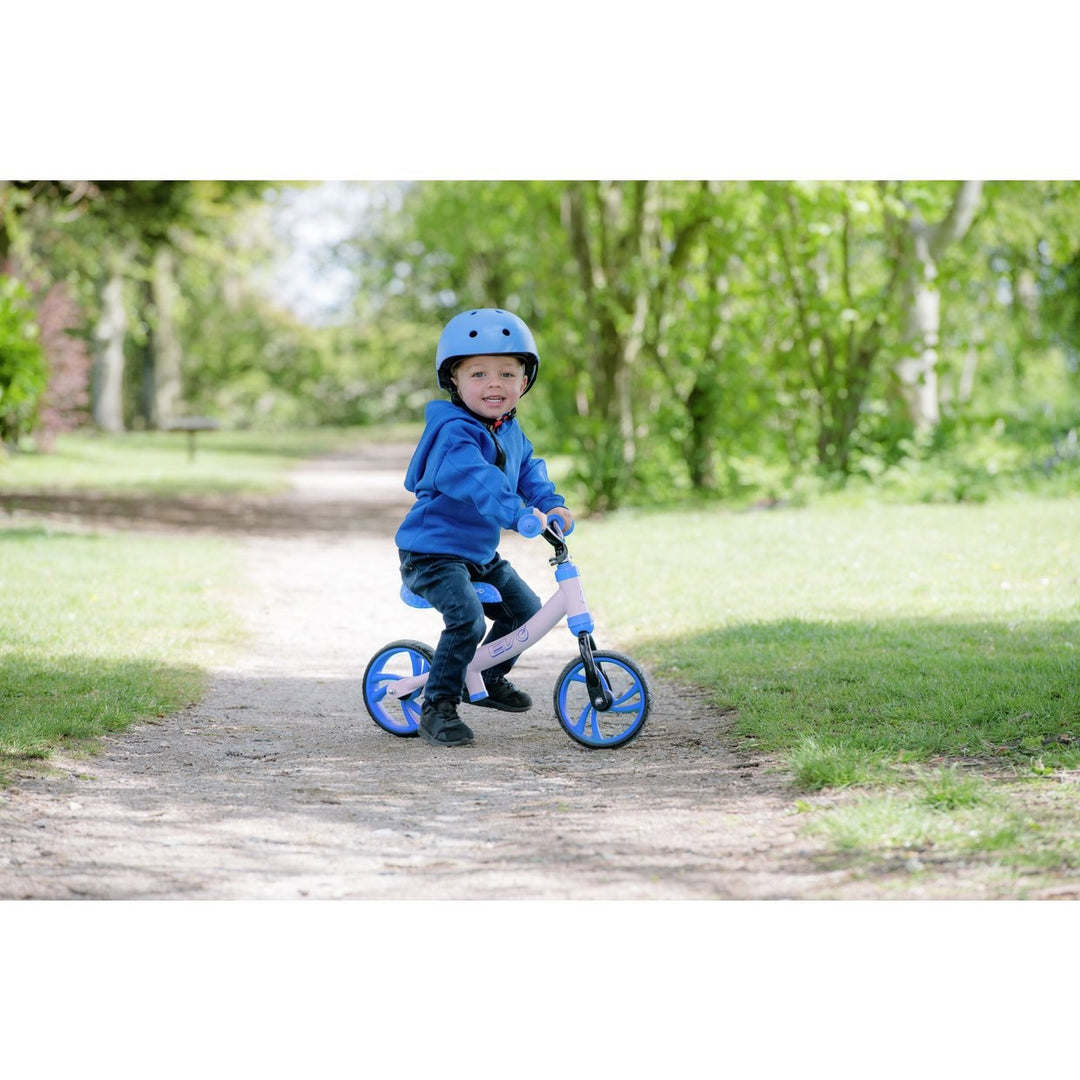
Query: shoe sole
(487, 703)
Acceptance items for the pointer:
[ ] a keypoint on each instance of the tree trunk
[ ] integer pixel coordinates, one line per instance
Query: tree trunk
(614, 245)
(107, 376)
(917, 371)
(164, 392)
(702, 409)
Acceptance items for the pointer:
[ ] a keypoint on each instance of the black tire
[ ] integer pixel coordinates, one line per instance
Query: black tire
(613, 727)
(398, 660)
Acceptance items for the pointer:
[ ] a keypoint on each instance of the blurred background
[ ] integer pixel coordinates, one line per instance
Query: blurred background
(737, 341)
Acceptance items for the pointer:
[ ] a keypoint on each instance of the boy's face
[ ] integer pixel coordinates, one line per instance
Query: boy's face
(490, 385)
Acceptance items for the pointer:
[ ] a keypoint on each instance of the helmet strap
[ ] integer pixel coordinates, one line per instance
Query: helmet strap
(491, 425)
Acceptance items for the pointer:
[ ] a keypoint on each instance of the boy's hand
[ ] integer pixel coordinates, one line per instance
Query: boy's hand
(532, 523)
(567, 518)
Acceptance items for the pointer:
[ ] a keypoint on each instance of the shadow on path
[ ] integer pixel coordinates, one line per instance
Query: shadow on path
(357, 493)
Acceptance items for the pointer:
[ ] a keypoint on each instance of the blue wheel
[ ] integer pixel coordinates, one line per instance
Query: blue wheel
(606, 729)
(398, 660)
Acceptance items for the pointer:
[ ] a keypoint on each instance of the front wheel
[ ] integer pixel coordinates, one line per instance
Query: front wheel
(617, 726)
(398, 660)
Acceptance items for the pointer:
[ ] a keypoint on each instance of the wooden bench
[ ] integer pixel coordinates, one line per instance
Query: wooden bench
(192, 425)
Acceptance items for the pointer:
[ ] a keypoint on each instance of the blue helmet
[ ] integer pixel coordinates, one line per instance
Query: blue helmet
(485, 332)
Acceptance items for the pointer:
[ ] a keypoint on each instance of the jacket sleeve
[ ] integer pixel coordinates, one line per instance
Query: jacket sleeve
(464, 474)
(534, 485)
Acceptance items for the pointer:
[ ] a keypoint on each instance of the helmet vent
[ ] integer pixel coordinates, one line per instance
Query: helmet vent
(472, 333)
(506, 333)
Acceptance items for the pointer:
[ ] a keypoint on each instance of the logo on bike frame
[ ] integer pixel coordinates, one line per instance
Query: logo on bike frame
(497, 648)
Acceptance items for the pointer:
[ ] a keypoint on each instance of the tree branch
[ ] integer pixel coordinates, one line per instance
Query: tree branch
(959, 218)
(796, 291)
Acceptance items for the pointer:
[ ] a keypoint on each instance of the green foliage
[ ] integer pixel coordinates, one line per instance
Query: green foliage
(83, 232)
(763, 357)
(23, 371)
(700, 340)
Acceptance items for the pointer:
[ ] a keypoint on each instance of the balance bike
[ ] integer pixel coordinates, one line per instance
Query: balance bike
(601, 699)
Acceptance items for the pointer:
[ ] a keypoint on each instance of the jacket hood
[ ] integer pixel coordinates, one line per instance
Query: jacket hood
(437, 414)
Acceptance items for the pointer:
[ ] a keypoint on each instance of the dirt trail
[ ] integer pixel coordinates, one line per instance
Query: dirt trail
(279, 786)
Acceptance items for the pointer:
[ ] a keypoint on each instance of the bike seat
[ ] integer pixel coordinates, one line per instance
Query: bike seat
(487, 594)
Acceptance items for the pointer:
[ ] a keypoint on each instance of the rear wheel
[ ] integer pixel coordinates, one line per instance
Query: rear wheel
(398, 660)
(607, 728)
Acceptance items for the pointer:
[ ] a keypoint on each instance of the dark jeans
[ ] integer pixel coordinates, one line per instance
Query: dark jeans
(445, 582)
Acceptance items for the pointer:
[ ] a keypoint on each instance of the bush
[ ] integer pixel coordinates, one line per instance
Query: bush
(23, 371)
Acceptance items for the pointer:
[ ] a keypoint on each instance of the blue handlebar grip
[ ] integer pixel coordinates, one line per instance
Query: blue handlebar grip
(529, 525)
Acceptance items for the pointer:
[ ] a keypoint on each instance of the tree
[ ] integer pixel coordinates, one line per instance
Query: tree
(834, 269)
(122, 237)
(703, 334)
(62, 406)
(110, 333)
(925, 244)
(66, 397)
(614, 231)
(687, 327)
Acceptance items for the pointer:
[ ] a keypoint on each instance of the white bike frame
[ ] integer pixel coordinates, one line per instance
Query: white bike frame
(568, 601)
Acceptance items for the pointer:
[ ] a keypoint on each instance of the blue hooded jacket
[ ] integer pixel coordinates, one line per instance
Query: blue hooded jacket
(463, 498)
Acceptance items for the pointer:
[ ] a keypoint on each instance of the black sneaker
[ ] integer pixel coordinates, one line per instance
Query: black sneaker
(441, 726)
(503, 694)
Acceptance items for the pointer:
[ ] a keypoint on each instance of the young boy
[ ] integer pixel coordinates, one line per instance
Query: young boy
(474, 474)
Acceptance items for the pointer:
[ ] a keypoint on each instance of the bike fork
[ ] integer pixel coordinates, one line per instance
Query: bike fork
(599, 694)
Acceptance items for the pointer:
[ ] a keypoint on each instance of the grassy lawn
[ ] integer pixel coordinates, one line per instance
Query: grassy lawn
(157, 463)
(925, 656)
(101, 631)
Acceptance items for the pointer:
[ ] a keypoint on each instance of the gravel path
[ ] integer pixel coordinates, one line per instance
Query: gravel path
(279, 786)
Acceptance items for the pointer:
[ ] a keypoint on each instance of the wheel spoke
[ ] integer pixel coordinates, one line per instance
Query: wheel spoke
(632, 696)
(632, 692)
(586, 713)
(379, 684)
(594, 715)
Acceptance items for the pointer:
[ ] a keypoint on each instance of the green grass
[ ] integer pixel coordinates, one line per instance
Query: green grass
(1005, 829)
(102, 631)
(157, 463)
(902, 632)
(869, 648)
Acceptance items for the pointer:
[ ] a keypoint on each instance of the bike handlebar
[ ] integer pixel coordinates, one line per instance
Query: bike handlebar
(529, 525)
